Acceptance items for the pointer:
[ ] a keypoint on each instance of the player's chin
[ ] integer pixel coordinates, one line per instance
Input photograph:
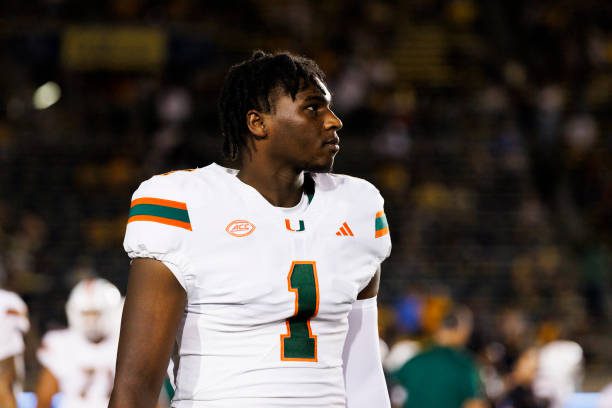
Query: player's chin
(322, 166)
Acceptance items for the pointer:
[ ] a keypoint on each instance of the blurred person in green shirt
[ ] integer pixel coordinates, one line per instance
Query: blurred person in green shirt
(444, 375)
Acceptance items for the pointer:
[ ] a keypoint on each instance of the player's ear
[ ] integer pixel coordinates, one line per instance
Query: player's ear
(256, 124)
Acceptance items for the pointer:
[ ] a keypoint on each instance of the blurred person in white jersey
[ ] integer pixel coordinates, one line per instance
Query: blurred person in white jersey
(14, 324)
(79, 361)
(260, 282)
(560, 373)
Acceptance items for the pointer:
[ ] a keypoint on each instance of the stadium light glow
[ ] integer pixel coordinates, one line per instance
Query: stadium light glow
(46, 95)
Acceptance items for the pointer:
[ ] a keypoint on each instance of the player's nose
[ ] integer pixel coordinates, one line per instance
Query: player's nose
(332, 122)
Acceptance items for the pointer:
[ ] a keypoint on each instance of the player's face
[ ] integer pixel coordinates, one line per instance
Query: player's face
(92, 322)
(303, 131)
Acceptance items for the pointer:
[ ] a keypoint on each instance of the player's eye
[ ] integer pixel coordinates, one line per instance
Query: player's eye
(313, 109)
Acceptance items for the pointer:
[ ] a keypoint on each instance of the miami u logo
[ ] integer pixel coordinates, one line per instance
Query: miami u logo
(290, 228)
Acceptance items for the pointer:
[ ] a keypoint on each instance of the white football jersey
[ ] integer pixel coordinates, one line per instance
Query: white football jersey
(84, 370)
(13, 324)
(560, 371)
(268, 290)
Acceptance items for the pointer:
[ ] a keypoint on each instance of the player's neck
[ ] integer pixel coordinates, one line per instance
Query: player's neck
(281, 186)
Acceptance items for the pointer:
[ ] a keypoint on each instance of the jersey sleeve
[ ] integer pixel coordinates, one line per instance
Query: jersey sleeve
(368, 225)
(51, 353)
(372, 219)
(376, 229)
(159, 225)
(382, 235)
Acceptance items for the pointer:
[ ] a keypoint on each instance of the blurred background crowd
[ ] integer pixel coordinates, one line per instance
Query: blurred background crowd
(485, 124)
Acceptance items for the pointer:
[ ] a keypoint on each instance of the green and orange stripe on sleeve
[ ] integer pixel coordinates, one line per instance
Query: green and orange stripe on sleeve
(381, 226)
(161, 211)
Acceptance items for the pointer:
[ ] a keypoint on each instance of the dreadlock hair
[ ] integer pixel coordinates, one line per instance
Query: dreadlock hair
(248, 85)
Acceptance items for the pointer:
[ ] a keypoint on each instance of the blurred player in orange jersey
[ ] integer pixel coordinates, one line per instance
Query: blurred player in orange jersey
(79, 361)
(13, 324)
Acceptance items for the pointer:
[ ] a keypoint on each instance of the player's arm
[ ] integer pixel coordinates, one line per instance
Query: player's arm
(154, 306)
(7, 379)
(46, 387)
(363, 375)
(371, 290)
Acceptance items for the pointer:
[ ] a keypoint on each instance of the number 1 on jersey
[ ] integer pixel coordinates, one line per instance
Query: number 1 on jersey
(299, 344)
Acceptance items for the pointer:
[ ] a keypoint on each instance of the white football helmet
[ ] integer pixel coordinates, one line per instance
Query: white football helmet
(92, 308)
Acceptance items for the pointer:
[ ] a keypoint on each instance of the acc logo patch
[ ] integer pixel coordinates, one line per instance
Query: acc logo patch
(240, 228)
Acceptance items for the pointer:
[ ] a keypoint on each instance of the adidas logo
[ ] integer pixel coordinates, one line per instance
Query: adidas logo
(345, 231)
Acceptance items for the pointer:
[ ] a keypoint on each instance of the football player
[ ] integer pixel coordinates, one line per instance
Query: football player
(560, 373)
(14, 324)
(80, 361)
(261, 282)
